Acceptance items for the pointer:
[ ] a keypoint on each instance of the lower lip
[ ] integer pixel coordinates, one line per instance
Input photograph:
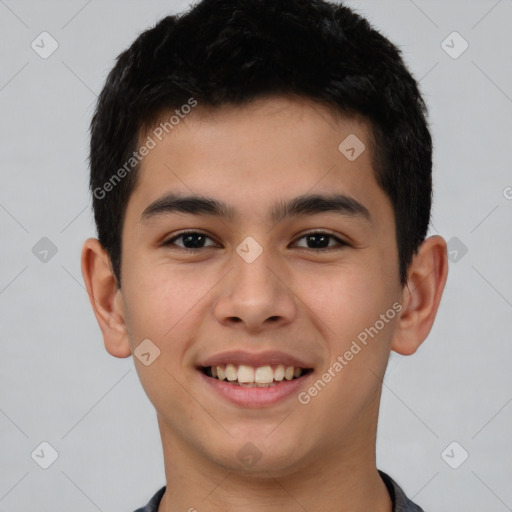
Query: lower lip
(254, 396)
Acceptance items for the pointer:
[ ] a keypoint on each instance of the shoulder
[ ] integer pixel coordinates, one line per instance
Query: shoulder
(401, 503)
(154, 502)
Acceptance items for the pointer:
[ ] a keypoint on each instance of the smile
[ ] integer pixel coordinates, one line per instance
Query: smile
(249, 376)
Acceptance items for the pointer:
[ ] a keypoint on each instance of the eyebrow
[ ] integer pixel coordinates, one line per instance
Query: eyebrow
(308, 204)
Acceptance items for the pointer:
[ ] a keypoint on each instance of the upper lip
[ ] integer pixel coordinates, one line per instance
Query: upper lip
(255, 359)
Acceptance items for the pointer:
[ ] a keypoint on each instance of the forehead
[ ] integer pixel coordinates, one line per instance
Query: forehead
(258, 154)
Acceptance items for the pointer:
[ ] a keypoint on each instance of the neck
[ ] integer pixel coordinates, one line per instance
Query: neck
(341, 479)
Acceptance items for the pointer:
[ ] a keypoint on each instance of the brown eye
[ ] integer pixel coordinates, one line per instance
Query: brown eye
(191, 240)
(320, 240)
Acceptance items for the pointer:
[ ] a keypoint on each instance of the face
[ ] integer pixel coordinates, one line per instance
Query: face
(241, 280)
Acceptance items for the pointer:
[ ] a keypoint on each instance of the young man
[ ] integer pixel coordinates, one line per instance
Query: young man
(261, 179)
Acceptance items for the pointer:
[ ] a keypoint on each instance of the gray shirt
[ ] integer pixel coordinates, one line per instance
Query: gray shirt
(400, 501)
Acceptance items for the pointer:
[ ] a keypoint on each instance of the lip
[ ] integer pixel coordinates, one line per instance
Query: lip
(255, 359)
(254, 397)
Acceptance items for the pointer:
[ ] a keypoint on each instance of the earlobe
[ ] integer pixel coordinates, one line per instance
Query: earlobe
(421, 296)
(105, 297)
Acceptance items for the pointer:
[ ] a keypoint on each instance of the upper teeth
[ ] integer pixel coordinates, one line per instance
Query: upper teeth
(260, 375)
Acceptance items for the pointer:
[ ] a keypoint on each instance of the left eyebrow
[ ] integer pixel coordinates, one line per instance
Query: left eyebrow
(309, 204)
(313, 204)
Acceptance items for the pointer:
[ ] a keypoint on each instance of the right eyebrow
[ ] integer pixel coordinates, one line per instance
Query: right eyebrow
(194, 205)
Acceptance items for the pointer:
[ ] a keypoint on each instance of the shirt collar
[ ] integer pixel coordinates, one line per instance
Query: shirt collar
(401, 502)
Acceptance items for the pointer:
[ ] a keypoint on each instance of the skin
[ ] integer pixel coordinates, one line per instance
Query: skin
(309, 302)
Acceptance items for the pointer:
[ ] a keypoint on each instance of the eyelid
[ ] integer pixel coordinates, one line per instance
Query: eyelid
(340, 241)
(175, 237)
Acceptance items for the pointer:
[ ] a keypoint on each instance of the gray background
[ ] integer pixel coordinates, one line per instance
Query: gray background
(59, 385)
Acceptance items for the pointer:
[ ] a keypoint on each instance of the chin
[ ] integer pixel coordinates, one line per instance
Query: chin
(260, 454)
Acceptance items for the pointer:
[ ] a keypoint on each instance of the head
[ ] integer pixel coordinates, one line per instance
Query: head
(317, 50)
(249, 105)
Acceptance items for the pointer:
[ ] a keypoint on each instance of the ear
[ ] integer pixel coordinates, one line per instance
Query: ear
(105, 297)
(421, 295)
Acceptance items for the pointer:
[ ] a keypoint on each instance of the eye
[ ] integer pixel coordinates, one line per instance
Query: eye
(319, 239)
(193, 241)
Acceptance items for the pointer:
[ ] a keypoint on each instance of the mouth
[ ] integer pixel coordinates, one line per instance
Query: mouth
(254, 377)
(248, 379)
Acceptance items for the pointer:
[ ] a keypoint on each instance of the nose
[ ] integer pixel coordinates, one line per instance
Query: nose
(256, 296)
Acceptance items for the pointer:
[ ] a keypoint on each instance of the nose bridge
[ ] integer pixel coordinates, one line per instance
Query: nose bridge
(254, 293)
(253, 277)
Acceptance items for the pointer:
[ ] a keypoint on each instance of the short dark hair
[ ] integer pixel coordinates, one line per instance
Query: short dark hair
(234, 51)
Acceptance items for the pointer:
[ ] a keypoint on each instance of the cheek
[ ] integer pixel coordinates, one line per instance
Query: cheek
(357, 341)
(346, 301)
(161, 311)
(163, 304)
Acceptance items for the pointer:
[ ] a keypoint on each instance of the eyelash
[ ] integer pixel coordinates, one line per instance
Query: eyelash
(341, 243)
